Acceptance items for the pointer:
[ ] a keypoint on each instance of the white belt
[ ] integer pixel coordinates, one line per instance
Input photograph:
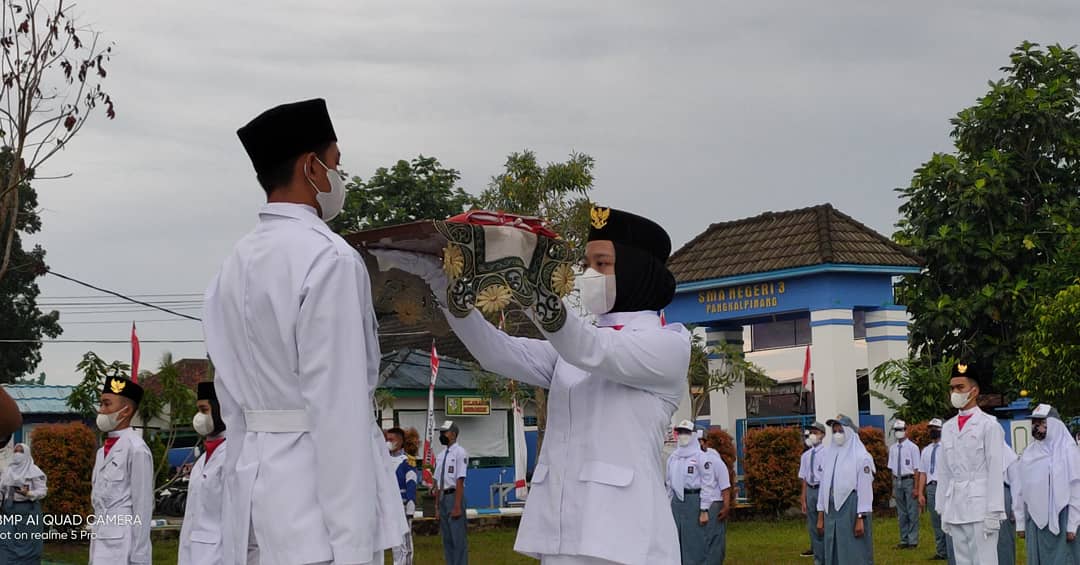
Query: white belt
(276, 421)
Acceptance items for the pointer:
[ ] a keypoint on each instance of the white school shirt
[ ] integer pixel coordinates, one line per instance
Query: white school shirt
(929, 463)
(808, 472)
(456, 468)
(714, 467)
(903, 458)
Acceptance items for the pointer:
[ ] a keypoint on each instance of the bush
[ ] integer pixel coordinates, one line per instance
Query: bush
(874, 440)
(919, 434)
(724, 444)
(771, 461)
(65, 453)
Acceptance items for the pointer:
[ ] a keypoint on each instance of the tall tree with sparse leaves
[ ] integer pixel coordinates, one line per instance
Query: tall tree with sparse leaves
(557, 192)
(51, 72)
(989, 218)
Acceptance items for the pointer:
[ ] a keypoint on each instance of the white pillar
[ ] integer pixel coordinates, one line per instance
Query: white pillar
(730, 406)
(886, 339)
(833, 363)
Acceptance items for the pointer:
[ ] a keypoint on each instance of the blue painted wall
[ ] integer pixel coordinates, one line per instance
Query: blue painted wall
(530, 441)
(746, 302)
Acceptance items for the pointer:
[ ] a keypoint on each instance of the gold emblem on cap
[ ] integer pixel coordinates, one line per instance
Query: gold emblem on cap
(599, 217)
(961, 368)
(117, 386)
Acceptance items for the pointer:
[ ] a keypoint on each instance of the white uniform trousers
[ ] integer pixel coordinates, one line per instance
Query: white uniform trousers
(253, 552)
(972, 546)
(573, 560)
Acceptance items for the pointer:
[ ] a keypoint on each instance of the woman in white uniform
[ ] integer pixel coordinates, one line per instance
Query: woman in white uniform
(593, 500)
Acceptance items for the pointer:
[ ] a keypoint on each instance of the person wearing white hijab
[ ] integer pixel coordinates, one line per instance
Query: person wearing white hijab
(22, 486)
(846, 496)
(1047, 505)
(686, 474)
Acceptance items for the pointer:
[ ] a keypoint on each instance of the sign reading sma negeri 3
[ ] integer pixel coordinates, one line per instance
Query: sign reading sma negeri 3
(743, 297)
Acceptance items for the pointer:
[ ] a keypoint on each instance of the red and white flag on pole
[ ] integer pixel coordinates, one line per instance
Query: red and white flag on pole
(806, 370)
(429, 431)
(134, 355)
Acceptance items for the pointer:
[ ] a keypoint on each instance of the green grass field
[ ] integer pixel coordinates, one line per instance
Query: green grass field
(749, 542)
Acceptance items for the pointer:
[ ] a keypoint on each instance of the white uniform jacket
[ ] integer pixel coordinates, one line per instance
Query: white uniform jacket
(123, 494)
(971, 485)
(598, 487)
(200, 535)
(290, 326)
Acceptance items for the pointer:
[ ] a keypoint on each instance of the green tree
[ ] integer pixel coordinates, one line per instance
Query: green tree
(1048, 363)
(736, 368)
(923, 385)
(409, 191)
(989, 218)
(558, 192)
(20, 316)
(168, 398)
(84, 398)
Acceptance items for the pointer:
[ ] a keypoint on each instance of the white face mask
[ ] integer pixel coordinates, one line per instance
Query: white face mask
(108, 422)
(812, 440)
(899, 434)
(684, 440)
(960, 399)
(203, 424)
(18, 458)
(597, 291)
(331, 202)
(839, 438)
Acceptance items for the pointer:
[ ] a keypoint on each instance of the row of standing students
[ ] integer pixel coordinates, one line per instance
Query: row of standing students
(699, 487)
(979, 493)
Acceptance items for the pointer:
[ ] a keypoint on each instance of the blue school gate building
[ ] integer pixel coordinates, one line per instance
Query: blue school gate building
(784, 283)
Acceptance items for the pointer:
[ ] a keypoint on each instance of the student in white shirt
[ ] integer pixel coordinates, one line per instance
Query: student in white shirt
(716, 488)
(927, 487)
(451, 468)
(904, 464)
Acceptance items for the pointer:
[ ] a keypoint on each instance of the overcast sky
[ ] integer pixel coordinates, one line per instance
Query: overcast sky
(696, 112)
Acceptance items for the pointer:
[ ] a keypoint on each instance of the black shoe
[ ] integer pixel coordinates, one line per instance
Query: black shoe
(807, 553)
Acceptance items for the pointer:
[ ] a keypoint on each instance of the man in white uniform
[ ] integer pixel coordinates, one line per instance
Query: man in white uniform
(971, 488)
(904, 463)
(451, 469)
(593, 500)
(123, 479)
(289, 324)
(200, 534)
(719, 493)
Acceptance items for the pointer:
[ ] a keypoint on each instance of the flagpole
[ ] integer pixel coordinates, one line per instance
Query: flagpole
(429, 431)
